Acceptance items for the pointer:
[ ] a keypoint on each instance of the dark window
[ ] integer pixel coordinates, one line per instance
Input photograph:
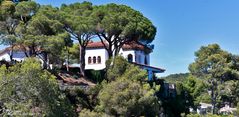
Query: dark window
(89, 60)
(99, 59)
(145, 60)
(94, 59)
(130, 58)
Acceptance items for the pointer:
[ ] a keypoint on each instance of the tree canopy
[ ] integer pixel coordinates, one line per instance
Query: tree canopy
(219, 70)
(36, 27)
(127, 94)
(80, 25)
(119, 24)
(27, 88)
(213, 78)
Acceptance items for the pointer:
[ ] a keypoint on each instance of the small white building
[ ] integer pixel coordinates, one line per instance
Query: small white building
(227, 110)
(18, 54)
(136, 53)
(204, 108)
(5, 55)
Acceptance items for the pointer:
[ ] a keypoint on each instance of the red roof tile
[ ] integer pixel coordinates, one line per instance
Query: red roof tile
(135, 46)
(127, 46)
(96, 45)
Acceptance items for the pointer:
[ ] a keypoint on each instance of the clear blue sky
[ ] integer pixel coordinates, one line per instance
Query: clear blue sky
(182, 27)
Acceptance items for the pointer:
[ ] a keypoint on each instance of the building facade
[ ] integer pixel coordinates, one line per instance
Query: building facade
(96, 56)
(19, 55)
(135, 53)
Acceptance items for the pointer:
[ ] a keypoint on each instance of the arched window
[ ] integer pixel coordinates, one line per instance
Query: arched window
(89, 60)
(94, 59)
(99, 59)
(130, 58)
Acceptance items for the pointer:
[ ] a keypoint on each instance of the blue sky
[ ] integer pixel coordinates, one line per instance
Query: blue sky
(182, 27)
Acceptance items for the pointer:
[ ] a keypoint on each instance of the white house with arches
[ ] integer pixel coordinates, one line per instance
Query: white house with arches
(96, 56)
(134, 52)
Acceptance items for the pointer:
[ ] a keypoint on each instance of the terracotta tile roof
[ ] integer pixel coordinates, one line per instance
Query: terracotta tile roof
(128, 46)
(135, 46)
(96, 45)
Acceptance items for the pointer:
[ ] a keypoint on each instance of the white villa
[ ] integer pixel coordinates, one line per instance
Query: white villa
(96, 56)
(136, 53)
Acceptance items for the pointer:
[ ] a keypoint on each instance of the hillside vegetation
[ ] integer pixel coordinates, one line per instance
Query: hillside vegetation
(173, 78)
(60, 35)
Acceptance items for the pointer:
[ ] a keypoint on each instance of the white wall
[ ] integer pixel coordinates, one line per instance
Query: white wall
(96, 52)
(5, 56)
(126, 53)
(18, 56)
(138, 57)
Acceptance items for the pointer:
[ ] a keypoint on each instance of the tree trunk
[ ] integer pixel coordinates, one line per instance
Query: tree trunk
(82, 60)
(213, 101)
(45, 59)
(32, 52)
(116, 51)
(67, 61)
(214, 96)
(25, 50)
(11, 54)
(26, 54)
(110, 54)
(110, 50)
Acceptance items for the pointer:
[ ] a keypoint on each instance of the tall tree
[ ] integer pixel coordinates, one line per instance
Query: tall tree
(14, 19)
(45, 32)
(8, 24)
(80, 25)
(24, 12)
(216, 66)
(120, 24)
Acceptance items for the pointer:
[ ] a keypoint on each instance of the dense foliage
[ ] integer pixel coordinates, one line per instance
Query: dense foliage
(35, 29)
(219, 69)
(122, 90)
(28, 90)
(32, 26)
(172, 78)
(127, 94)
(213, 79)
(79, 23)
